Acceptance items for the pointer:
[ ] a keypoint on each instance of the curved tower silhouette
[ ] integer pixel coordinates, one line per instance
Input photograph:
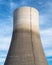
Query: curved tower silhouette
(26, 47)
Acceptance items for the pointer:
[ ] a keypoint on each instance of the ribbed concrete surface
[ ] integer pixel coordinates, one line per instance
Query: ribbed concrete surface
(26, 47)
(21, 50)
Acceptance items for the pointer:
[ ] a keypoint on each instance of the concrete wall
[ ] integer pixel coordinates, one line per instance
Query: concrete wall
(26, 47)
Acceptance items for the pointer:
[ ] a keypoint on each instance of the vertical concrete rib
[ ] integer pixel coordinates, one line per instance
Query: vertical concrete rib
(26, 48)
(31, 35)
(39, 56)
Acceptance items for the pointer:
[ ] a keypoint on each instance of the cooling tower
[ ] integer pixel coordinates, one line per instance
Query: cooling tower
(26, 47)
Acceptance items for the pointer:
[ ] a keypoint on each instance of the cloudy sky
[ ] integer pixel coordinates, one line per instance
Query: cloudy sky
(7, 8)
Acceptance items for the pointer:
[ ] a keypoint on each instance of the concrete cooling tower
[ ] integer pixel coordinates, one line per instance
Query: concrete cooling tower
(26, 47)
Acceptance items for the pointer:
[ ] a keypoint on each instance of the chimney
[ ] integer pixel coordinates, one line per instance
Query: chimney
(26, 47)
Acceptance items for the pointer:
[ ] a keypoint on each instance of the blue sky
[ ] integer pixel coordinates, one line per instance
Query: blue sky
(7, 8)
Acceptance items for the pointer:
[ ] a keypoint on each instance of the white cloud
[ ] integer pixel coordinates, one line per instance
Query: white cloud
(48, 53)
(6, 27)
(46, 38)
(46, 15)
(5, 33)
(42, 19)
(47, 31)
(2, 59)
(13, 5)
(49, 7)
(5, 43)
